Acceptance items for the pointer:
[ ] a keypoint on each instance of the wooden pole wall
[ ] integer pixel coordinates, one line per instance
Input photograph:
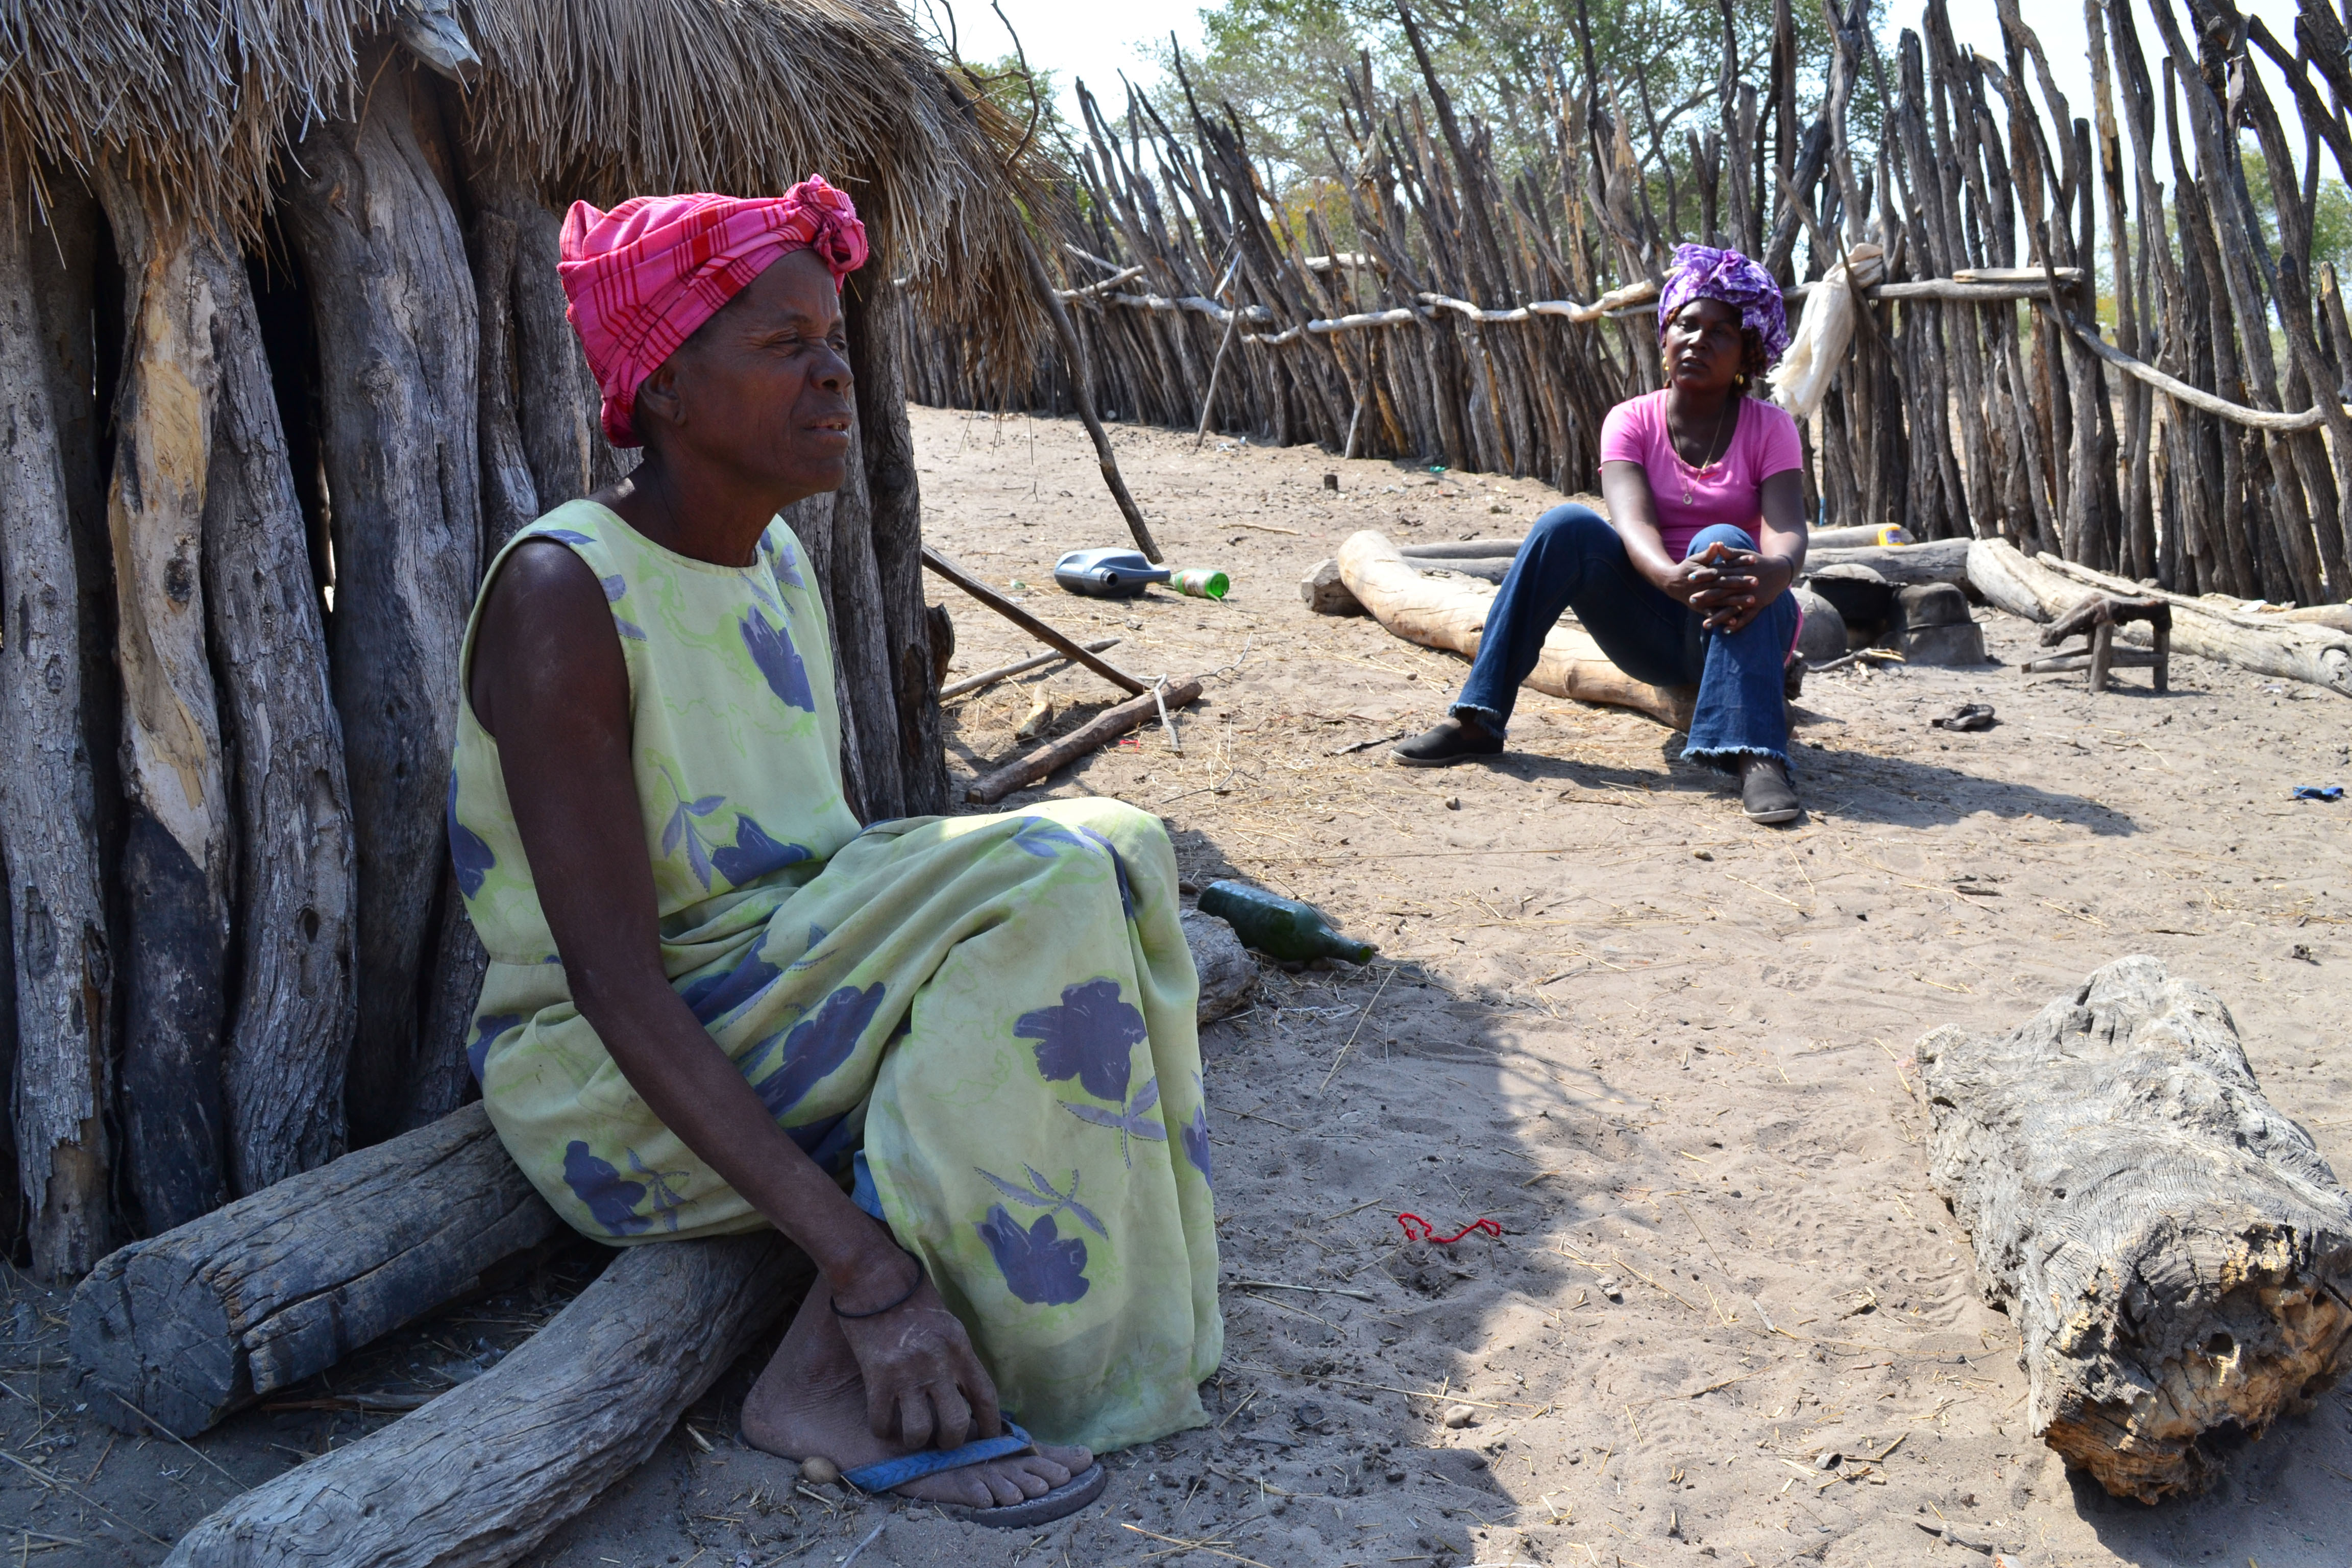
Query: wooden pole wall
(1956, 417)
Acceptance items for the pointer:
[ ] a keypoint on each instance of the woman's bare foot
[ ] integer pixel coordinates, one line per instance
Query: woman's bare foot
(811, 1401)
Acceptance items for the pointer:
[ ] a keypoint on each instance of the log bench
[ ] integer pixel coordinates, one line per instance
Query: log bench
(181, 1329)
(2174, 1252)
(492, 1468)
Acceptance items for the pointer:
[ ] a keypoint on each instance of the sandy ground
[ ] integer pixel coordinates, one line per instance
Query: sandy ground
(1651, 1041)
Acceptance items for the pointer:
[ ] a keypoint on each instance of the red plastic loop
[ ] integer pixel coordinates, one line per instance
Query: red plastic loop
(1419, 1229)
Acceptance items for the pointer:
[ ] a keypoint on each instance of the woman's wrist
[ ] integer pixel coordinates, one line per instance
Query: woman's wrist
(876, 1272)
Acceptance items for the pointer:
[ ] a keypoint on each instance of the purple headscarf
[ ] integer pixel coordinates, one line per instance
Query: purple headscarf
(1702, 273)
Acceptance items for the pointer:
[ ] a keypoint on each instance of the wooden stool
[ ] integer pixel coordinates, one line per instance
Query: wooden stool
(2098, 617)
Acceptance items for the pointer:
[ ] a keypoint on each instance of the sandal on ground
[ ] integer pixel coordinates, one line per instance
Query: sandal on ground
(1766, 794)
(1446, 743)
(1967, 716)
(1060, 1503)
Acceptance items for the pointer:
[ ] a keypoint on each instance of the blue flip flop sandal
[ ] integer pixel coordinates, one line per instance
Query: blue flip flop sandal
(1061, 1502)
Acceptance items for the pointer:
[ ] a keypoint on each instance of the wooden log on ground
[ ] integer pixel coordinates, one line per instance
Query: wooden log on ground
(489, 1470)
(186, 1327)
(1322, 592)
(176, 850)
(1228, 973)
(2174, 1252)
(1449, 614)
(56, 908)
(2045, 589)
(1092, 735)
(392, 304)
(296, 906)
(1904, 565)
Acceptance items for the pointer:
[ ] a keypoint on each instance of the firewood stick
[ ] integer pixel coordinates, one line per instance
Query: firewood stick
(1095, 733)
(1022, 667)
(1029, 623)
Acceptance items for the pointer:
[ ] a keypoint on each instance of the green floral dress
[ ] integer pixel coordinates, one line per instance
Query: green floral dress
(984, 1023)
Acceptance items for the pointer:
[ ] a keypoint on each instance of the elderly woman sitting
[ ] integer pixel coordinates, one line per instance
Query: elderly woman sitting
(1691, 585)
(952, 1058)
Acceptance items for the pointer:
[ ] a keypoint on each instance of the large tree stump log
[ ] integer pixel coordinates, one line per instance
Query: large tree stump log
(176, 854)
(489, 1470)
(2176, 1253)
(1449, 614)
(1904, 565)
(190, 1325)
(56, 908)
(296, 905)
(392, 304)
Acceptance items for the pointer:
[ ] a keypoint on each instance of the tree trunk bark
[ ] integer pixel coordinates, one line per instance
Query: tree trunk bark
(444, 1077)
(62, 967)
(177, 859)
(2175, 1251)
(191, 1325)
(556, 399)
(877, 354)
(862, 637)
(509, 494)
(297, 897)
(397, 336)
(489, 1470)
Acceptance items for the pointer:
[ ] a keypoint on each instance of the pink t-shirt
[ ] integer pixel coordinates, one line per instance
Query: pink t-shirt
(1764, 444)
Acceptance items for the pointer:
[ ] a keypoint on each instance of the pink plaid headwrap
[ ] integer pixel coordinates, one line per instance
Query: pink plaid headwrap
(643, 277)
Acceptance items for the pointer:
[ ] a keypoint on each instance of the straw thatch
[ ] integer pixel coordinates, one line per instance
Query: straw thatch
(197, 100)
(191, 98)
(612, 98)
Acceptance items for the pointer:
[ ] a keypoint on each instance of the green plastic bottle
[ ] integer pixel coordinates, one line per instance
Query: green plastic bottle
(1279, 928)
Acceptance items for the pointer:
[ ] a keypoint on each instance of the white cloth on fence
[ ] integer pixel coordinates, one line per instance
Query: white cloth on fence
(1802, 380)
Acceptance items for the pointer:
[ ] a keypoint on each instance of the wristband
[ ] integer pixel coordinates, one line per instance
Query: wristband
(903, 1296)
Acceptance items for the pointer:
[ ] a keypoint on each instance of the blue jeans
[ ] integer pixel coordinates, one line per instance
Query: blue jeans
(1573, 558)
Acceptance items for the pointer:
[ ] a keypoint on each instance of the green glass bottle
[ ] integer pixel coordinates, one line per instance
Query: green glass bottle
(1279, 928)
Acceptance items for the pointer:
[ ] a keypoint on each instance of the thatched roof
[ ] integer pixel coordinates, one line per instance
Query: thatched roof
(619, 97)
(192, 96)
(199, 99)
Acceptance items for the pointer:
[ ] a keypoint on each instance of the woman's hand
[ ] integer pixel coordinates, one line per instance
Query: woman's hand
(1730, 588)
(924, 1384)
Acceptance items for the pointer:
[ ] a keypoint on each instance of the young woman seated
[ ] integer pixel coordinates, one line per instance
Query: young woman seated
(1691, 585)
(953, 1059)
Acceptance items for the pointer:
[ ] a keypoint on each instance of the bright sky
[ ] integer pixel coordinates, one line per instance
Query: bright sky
(1097, 39)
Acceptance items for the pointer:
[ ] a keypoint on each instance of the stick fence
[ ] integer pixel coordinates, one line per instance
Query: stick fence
(2199, 438)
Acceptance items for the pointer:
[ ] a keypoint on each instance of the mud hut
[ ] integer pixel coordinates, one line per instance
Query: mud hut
(285, 362)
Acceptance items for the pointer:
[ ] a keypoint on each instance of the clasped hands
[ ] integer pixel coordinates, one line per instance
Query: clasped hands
(1729, 586)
